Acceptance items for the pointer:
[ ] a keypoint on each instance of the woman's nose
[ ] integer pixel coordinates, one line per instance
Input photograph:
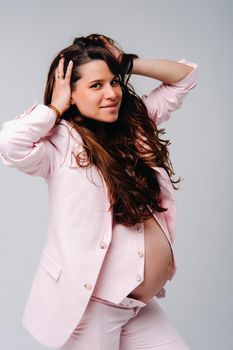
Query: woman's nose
(110, 92)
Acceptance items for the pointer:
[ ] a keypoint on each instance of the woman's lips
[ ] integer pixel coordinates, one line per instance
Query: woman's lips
(111, 107)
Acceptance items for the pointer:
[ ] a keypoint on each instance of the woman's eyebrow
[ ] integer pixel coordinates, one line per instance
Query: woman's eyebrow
(101, 80)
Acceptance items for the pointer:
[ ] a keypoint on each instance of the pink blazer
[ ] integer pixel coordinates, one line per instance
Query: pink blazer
(80, 225)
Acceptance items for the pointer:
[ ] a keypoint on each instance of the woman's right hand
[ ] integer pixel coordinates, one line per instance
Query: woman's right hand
(61, 95)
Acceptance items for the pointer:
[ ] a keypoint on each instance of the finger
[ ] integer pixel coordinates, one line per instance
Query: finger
(69, 70)
(103, 39)
(60, 68)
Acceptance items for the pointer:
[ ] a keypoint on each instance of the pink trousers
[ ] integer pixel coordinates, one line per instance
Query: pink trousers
(130, 325)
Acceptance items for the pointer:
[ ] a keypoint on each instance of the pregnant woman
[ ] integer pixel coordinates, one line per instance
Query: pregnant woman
(108, 252)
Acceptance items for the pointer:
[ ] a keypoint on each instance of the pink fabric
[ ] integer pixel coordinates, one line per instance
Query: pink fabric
(130, 325)
(167, 98)
(123, 265)
(80, 225)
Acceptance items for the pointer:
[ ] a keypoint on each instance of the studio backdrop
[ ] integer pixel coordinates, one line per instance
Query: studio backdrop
(199, 298)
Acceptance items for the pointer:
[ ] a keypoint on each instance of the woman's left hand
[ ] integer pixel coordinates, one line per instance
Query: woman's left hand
(112, 48)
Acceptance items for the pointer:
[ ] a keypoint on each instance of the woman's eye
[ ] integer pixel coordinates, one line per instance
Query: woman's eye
(95, 85)
(116, 81)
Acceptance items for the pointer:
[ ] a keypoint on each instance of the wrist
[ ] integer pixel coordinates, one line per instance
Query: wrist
(56, 110)
(127, 63)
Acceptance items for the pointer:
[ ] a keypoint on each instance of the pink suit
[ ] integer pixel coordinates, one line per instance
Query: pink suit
(79, 230)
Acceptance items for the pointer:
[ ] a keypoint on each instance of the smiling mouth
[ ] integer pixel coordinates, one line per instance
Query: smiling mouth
(110, 106)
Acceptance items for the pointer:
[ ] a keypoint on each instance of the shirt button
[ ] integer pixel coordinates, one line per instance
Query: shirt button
(88, 286)
(103, 245)
(140, 253)
(138, 278)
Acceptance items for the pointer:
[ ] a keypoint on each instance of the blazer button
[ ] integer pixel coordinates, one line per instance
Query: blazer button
(88, 286)
(140, 253)
(138, 278)
(103, 245)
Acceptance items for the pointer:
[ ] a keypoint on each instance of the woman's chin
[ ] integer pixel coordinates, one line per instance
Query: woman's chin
(110, 119)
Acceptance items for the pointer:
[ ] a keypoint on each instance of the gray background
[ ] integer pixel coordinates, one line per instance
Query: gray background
(199, 299)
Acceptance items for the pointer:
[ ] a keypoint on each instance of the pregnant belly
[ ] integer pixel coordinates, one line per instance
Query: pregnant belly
(158, 262)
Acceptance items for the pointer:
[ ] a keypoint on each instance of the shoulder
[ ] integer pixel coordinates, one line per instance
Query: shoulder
(63, 131)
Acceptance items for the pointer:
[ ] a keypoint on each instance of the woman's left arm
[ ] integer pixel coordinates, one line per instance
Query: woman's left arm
(178, 79)
(167, 71)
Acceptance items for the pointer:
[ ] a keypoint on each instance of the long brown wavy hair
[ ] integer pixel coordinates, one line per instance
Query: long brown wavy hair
(123, 151)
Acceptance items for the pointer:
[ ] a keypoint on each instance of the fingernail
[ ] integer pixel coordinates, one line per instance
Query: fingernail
(70, 62)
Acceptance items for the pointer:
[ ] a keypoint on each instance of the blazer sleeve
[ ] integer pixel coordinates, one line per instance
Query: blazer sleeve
(166, 98)
(32, 143)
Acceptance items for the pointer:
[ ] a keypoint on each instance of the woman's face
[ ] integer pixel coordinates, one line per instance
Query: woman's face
(97, 94)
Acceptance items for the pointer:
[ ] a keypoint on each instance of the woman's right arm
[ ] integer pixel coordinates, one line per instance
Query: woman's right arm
(24, 145)
(32, 142)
